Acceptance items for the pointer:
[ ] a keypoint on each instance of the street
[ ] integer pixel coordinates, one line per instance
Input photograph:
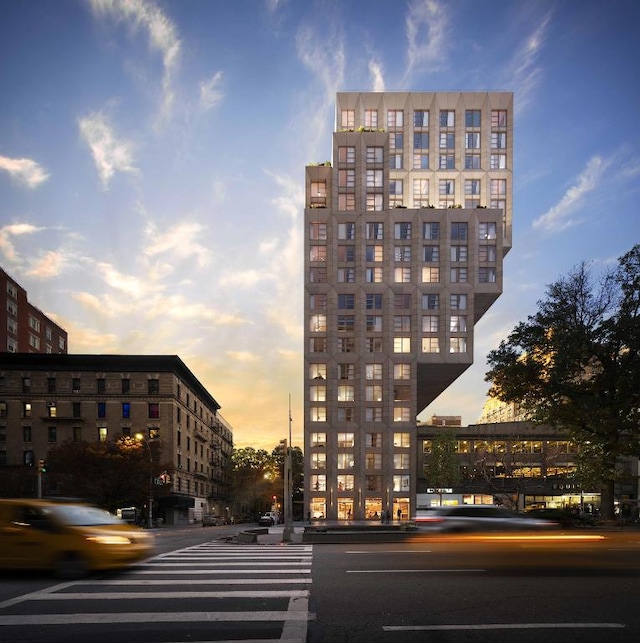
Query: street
(579, 586)
(479, 588)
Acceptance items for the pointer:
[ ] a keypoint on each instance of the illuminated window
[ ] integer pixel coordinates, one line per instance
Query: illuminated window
(318, 253)
(318, 439)
(318, 460)
(346, 393)
(319, 482)
(430, 345)
(401, 439)
(318, 323)
(402, 371)
(345, 461)
(401, 344)
(318, 393)
(374, 253)
(346, 440)
(318, 413)
(430, 275)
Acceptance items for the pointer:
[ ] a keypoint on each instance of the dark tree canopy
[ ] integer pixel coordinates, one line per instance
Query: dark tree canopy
(111, 474)
(575, 364)
(442, 468)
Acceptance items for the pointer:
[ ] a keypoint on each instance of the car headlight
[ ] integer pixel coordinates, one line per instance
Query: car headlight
(110, 540)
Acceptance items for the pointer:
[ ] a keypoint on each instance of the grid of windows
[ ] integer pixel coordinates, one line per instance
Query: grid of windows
(368, 334)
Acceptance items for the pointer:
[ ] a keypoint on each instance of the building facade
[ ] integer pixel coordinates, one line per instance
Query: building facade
(47, 399)
(25, 328)
(519, 464)
(406, 229)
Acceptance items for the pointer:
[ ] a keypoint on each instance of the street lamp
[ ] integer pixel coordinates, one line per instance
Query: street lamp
(140, 438)
(288, 486)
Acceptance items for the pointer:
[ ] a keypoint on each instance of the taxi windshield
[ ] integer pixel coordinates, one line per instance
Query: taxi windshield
(80, 515)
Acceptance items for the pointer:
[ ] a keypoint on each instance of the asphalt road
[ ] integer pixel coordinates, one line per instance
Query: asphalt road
(475, 588)
(200, 587)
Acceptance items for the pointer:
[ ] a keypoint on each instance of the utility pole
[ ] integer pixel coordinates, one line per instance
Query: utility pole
(288, 486)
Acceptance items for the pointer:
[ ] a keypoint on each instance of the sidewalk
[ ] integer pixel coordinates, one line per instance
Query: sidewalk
(276, 534)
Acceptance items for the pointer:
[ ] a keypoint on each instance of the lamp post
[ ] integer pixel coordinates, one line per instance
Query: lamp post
(288, 487)
(140, 438)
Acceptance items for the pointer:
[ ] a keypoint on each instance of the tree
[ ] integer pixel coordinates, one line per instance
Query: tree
(111, 474)
(575, 365)
(442, 469)
(256, 480)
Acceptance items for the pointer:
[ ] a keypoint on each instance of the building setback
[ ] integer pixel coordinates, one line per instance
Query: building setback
(24, 328)
(47, 399)
(405, 234)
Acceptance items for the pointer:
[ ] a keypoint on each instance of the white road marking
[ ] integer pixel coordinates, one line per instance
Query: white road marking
(152, 617)
(412, 571)
(500, 626)
(129, 596)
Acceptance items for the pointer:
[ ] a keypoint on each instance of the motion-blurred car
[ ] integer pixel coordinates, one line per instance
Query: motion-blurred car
(209, 520)
(561, 516)
(69, 539)
(468, 518)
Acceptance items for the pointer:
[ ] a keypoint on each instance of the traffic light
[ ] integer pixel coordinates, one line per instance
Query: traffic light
(42, 466)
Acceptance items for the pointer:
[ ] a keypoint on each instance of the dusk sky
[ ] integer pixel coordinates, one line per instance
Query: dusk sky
(152, 160)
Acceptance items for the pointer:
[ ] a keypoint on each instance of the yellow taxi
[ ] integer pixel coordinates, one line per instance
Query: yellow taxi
(67, 538)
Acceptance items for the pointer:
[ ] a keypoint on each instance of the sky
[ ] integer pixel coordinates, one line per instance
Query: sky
(152, 157)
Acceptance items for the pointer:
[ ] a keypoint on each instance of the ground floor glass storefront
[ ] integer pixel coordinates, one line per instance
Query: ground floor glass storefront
(399, 509)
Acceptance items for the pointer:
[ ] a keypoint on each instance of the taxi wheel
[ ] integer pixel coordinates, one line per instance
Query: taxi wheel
(71, 565)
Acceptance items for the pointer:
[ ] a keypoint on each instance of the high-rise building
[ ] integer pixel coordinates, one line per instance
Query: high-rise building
(24, 328)
(405, 234)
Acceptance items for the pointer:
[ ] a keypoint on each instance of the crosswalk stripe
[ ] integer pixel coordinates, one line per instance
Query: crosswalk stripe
(110, 596)
(153, 617)
(222, 572)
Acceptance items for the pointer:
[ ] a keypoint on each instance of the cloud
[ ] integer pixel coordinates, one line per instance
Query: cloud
(559, 216)
(242, 356)
(14, 230)
(110, 154)
(127, 284)
(325, 59)
(179, 241)
(245, 278)
(210, 94)
(49, 265)
(427, 25)
(375, 69)
(162, 33)
(524, 73)
(25, 171)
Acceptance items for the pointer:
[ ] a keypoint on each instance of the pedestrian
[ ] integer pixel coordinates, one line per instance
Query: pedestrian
(399, 514)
